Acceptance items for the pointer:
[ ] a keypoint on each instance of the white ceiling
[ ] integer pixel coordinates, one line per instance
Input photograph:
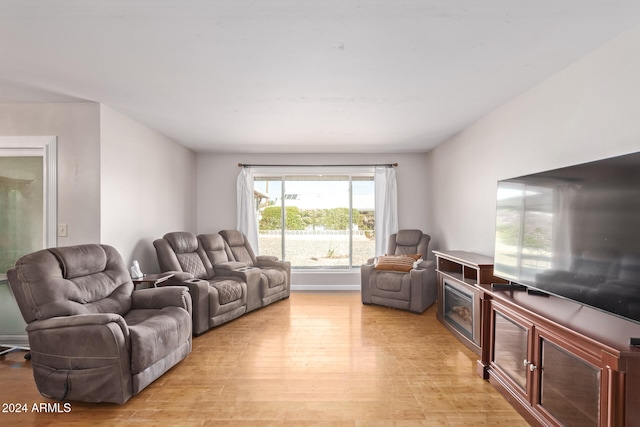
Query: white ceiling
(297, 76)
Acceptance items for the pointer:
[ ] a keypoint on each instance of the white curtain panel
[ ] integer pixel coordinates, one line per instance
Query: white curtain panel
(386, 206)
(247, 221)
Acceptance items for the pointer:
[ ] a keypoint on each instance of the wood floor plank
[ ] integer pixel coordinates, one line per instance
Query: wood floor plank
(316, 359)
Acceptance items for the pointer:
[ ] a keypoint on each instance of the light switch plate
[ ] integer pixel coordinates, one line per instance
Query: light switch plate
(62, 230)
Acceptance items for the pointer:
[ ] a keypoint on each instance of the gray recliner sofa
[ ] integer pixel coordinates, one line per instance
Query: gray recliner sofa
(274, 280)
(414, 290)
(217, 298)
(217, 254)
(93, 338)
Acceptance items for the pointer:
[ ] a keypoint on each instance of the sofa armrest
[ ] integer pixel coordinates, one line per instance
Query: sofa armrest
(230, 265)
(365, 274)
(96, 334)
(82, 357)
(77, 320)
(156, 298)
(272, 262)
(261, 258)
(424, 288)
(251, 275)
(178, 277)
(426, 265)
(198, 301)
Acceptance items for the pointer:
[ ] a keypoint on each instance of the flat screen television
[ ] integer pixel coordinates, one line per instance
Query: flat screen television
(574, 232)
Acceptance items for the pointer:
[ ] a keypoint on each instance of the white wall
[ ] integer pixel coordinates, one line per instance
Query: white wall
(217, 174)
(76, 126)
(148, 187)
(588, 111)
(119, 182)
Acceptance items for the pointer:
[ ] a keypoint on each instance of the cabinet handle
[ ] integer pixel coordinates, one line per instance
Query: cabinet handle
(532, 367)
(525, 363)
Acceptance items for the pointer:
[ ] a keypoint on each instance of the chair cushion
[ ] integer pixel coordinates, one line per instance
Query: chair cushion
(228, 290)
(81, 260)
(240, 249)
(400, 263)
(156, 333)
(68, 280)
(233, 237)
(389, 284)
(408, 237)
(213, 245)
(275, 276)
(182, 241)
(192, 263)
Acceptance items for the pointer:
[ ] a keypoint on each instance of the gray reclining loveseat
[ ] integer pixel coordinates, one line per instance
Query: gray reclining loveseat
(217, 298)
(274, 278)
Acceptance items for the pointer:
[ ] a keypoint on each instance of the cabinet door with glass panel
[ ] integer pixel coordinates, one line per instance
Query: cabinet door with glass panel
(561, 383)
(568, 382)
(512, 351)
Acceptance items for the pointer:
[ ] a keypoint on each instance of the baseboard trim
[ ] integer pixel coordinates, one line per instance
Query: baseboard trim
(325, 287)
(18, 341)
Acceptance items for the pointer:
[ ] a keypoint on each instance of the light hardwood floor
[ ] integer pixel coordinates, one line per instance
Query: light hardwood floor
(316, 359)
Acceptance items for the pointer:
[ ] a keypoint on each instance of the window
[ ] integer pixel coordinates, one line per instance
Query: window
(321, 221)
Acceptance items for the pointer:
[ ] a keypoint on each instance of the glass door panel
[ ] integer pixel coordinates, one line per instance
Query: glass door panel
(570, 387)
(458, 309)
(27, 216)
(510, 349)
(21, 208)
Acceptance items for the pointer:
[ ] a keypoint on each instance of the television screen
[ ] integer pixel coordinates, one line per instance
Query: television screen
(574, 232)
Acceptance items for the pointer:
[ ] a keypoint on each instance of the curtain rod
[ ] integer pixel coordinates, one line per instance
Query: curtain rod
(246, 165)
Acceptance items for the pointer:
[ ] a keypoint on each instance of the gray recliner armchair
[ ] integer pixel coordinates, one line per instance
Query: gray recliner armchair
(275, 276)
(216, 298)
(93, 338)
(409, 287)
